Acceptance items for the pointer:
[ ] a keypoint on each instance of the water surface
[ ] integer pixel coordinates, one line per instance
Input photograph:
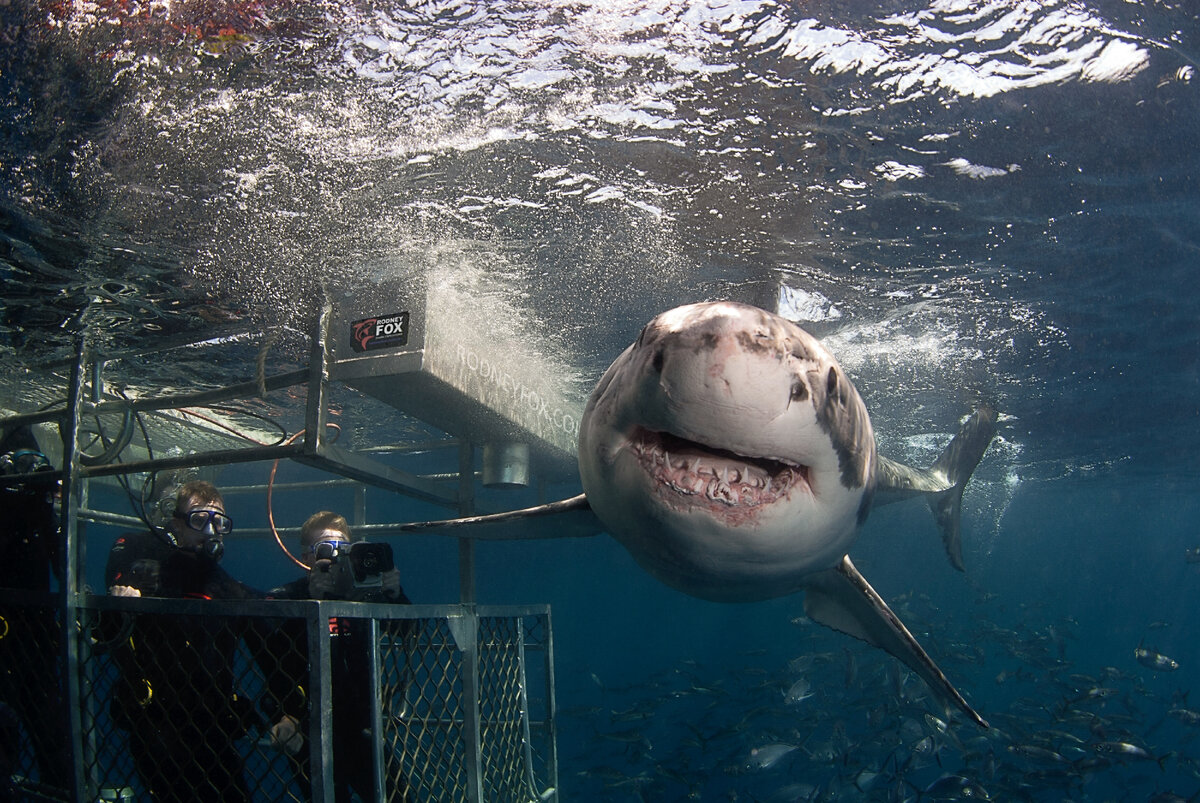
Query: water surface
(970, 202)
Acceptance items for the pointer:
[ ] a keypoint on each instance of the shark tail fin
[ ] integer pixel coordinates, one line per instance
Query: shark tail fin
(957, 464)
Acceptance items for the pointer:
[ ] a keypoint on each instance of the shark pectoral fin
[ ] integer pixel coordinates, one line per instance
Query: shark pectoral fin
(957, 463)
(842, 599)
(567, 518)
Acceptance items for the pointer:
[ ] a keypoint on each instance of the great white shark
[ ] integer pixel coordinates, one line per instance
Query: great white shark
(731, 455)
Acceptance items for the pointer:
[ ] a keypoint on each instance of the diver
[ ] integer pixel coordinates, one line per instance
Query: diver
(29, 532)
(177, 695)
(336, 561)
(31, 690)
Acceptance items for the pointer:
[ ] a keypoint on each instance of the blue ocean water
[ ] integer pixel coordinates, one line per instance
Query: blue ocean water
(969, 202)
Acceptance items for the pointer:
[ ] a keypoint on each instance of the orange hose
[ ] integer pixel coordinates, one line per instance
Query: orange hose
(270, 488)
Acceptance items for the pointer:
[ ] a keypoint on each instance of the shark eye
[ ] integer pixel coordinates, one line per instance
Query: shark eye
(658, 361)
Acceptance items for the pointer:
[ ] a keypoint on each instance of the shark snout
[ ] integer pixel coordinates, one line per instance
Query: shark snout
(727, 379)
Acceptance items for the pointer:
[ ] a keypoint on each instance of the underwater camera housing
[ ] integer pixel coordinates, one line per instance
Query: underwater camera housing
(358, 571)
(368, 562)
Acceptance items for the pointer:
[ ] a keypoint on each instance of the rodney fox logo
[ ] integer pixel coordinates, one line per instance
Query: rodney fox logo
(380, 332)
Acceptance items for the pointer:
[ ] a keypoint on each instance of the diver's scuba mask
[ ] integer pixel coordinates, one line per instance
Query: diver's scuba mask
(213, 524)
(24, 461)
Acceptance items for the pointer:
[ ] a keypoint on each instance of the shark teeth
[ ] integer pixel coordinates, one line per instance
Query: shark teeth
(719, 477)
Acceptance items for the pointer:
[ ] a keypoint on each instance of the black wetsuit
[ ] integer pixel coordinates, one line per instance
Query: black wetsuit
(350, 681)
(30, 636)
(29, 536)
(177, 694)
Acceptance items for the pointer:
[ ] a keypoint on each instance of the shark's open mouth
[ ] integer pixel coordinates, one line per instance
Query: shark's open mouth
(692, 469)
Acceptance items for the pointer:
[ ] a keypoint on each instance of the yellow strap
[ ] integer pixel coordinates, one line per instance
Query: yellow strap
(4, 622)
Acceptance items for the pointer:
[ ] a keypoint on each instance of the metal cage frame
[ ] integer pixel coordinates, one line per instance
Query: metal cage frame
(500, 749)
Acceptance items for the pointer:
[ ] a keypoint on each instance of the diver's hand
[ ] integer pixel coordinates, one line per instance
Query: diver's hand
(391, 583)
(124, 591)
(286, 735)
(322, 583)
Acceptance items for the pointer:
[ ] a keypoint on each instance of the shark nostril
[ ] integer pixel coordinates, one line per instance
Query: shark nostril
(831, 385)
(799, 391)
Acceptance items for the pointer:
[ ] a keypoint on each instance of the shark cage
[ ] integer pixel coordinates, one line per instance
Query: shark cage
(106, 697)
